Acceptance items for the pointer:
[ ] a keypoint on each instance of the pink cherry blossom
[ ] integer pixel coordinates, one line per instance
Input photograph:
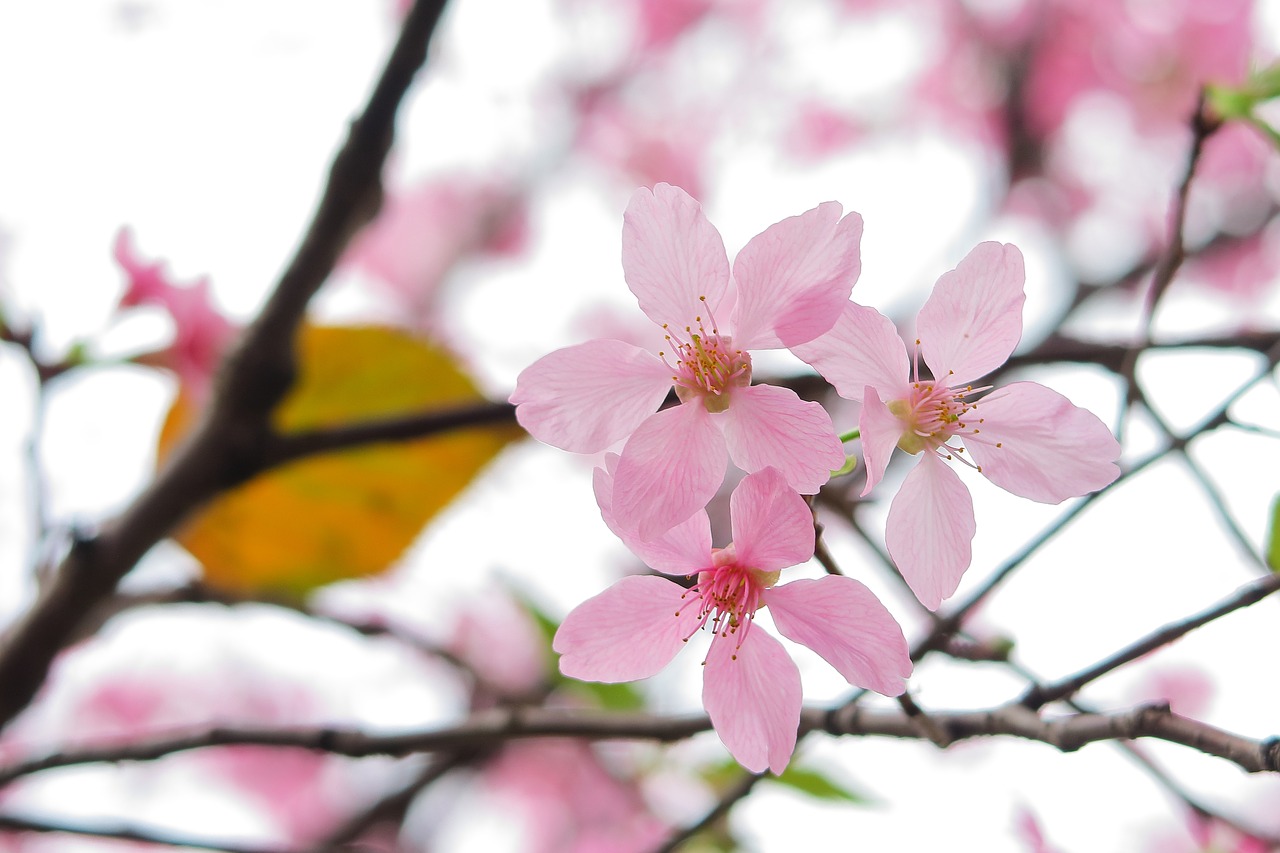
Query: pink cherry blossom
(1024, 437)
(786, 288)
(751, 687)
(424, 231)
(201, 332)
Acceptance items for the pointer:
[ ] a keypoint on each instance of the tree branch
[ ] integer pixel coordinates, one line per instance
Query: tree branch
(120, 832)
(486, 728)
(1041, 695)
(225, 448)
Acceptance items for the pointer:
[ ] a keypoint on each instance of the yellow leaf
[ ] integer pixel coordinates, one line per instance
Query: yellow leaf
(347, 514)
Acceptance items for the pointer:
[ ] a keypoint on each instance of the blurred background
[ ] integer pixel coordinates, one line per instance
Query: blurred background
(158, 163)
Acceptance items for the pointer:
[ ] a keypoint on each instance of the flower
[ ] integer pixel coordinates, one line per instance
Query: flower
(1024, 437)
(751, 687)
(787, 286)
(201, 333)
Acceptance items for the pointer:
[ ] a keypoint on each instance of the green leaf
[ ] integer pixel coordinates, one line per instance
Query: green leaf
(850, 464)
(817, 785)
(1273, 536)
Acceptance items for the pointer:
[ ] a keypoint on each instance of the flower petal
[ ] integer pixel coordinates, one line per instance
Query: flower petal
(670, 468)
(672, 256)
(863, 348)
(846, 624)
(683, 550)
(753, 697)
(772, 525)
(881, 429)
(973, 319)
(631, 630)
(1050, 449)
(930, 530)
(792, 278)
(584, 398)
(770, 426)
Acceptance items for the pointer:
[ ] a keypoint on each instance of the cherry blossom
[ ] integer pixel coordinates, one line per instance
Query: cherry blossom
(1024, 437)
(751, 687)
(786, 288)
(201, 332)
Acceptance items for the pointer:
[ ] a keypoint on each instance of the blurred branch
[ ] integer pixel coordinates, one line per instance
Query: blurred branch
(226, 447)
(1057, 349)
(1252, 593)
(736, 793)
(390, 806)
(11, 823)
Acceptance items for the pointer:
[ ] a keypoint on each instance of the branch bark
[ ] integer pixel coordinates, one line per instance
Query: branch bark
(227, 447)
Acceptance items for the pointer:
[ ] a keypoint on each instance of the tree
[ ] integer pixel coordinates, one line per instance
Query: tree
(363, 657)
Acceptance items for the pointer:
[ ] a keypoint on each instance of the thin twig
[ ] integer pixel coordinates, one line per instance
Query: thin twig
(730, 798)
(1247, 595)
(120, 832)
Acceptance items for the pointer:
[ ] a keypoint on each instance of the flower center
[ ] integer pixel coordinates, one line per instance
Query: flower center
(933, 412)
(728, 594)
(707, 366)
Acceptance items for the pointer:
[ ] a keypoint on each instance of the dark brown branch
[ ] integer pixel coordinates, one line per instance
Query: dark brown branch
(287, 448)
(1058, 349)
(486, 728)
(1067, 734)
(1247, 595)
(13, 823)
(225, 448)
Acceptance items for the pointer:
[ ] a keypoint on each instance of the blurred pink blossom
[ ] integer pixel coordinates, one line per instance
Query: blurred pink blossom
(499, 640)
(751, 687)
(1155, 56)
(422, 233)
(572, 802)
(201, 332)
(1024, 437)
(786, 288)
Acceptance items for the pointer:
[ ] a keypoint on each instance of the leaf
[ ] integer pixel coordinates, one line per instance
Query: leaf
(1273, 536)
(349, 514)
(817, 785)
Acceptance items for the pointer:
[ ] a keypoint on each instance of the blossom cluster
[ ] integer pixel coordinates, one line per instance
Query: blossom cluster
(789, 287)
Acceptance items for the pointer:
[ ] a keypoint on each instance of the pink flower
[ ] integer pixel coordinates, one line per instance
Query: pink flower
(751, 687)
(1024, 437)
(201, 333)
(787, 287)
(423, 232)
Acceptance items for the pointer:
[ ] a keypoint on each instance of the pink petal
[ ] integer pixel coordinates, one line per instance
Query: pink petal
(792, 278)
(973, 319)
(881, 429)
(584, 398)
(930, 530)
(753, 697)
(772, 525)
(670, 468)
(1050, 449)
(631, 630)
(683, 550)
(846, 624)
(770, 426)
(672, 256)
(863, 348)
